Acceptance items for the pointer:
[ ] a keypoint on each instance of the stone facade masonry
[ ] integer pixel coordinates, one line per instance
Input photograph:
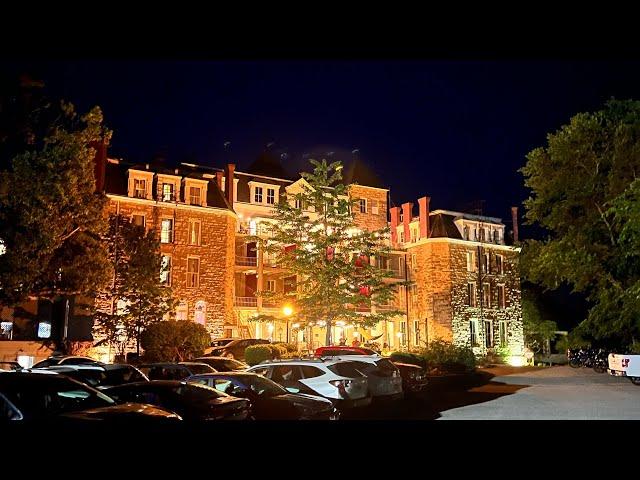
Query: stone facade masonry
(216, 253)
(370, 221)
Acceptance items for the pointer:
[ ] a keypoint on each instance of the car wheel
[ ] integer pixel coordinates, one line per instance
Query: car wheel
(599, 369)
(573, 363)
(635, 380)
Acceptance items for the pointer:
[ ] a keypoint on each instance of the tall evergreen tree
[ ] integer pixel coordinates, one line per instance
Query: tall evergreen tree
(314, 236)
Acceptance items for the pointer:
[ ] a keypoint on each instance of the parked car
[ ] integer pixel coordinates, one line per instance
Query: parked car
(336, 351)
(33, 396)
(385, 381)
(223, 364)
(235, 349)
(337, 380)
(219, 342)
(191, 402)
(414, 378)
(66, 360)
(269, 401)
(174, 371)
(99, 377)
(10, 366)
(625, 365)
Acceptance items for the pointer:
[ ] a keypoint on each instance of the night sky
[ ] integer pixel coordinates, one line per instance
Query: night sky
(455, 130)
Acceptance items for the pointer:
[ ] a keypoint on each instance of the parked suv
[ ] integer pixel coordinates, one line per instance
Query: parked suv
(336, 351)
(66, 360)
(174, 371)
(385, 381)
(337, 380)
(236, 348)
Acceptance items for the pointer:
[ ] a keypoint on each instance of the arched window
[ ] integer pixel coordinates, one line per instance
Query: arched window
(200, 313)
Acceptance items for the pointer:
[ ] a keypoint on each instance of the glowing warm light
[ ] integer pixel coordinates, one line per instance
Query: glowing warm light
(296, 325)
(270, 328)
(516, 360)
(321, 323)
(340, 323)
(399, 334)
(287, 310)
(356, 334)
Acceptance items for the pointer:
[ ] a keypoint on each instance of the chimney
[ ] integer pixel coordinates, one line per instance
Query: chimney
(228, 182)
(219, 180)
(407, 212)
(423, 204)
(514, 219)
(100, 167)
(395, 221)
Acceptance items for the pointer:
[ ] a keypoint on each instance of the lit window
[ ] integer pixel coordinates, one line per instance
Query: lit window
(271, 196)
(139, 188)
(165, 270)
(374, 207)
(166, 231)
(3, 249)
(471, 294)
(168, 194)
(139, 220)
(194, 232)
(257, 195)
(6, 330)
(363, 205)
(473, 330)
(298, 204)
(194, 196)
(200, 312)
(193, 272)
(271, 285)
(44, 330)
(471, 263)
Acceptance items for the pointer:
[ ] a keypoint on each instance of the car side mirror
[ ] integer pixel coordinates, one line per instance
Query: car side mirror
(292, 390)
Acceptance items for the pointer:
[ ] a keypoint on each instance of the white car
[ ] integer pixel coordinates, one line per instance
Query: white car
(337, 380)
(385, 381)
(625, 366)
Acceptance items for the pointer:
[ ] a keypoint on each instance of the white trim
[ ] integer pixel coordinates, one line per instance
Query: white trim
(144, 201)
(424, 241)
(468, 216)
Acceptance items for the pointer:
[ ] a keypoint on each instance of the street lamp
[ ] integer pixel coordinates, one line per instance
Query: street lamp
(287, 311)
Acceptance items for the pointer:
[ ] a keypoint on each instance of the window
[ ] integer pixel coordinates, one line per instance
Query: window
(363, 205)
(168, 194)
(194, 196)
(200, 312)
(166, 231)
(374, 207)
(471, 294)
(496, 236)
(486, 295)
(403, 331)
(194, 232)
(290, 284)
(257, 195)
(501, 297)
(471, 262)
(503, 333)
(487, 263)
(488, 334)
(271, 285)
(181, 311)
(193, 272)
(482, 234)
(139, 188)
(298, 204)
(473, 331)
(271, 196)
(416, 331)
(139, 220)
(466, 233)
(165, 270)
(499, 264)
(414, 262)
(414, 295)
(401, 236)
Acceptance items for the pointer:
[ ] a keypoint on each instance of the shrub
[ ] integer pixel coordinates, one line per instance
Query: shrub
(255, 354)
(278, 350)
(291, 347)
(448, 357)
(410, 358)
(172, 341)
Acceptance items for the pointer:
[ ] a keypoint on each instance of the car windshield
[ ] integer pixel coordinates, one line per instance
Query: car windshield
(230, 364)
(55, 398)
(264, 386)
(198, 369)
(49, 362)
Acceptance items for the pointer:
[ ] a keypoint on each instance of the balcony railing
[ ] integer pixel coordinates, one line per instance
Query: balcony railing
(246, 302)
(247, 261)
(394, 273)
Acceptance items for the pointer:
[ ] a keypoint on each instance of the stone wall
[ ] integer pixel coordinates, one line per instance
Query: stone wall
(370, 221)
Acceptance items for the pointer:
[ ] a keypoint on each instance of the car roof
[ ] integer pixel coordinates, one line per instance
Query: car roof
(224, 374)
(24, 378)
(307, 361)
(213, 357)
(355, 358)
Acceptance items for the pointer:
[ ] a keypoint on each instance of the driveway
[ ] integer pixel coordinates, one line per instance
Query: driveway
(556, 393)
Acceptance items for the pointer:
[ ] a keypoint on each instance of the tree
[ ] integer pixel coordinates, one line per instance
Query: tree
(51, 218)
(585, 194)
(315, 238)
(538, 328)
(137, 296)
(174, 341)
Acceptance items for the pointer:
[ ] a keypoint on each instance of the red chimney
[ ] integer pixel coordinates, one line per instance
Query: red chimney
(228, 182)
(514, 219)
(423, 204)
(219, 180)
(407, 212)
(395, 221)
(100, 164)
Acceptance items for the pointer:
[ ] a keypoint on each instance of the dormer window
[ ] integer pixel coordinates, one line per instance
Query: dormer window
(271, 196)
(466, 233)
(139, 184)
(168, 192)
(195, 197)
(257, 195)
(496, 236)
(139, 188)
(195, 191)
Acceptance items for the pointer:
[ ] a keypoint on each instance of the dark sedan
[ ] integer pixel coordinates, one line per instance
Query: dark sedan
(36, 396)
(414, 378)
(268, 399)
(223, 364)
(191, 402)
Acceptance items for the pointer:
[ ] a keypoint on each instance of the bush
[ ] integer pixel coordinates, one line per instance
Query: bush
(255, 354)
(291, 347)
(410, 358)
(278, 350)
(174, 341)
(445, 356)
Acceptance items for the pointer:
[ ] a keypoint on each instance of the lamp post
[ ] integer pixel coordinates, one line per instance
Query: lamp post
(287, 311)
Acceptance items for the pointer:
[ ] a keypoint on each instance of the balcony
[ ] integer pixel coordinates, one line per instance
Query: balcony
(246, 261)
(394, 273)
(250, 302)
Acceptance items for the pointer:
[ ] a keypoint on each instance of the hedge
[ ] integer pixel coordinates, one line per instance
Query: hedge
(440, 355)
(255, 354)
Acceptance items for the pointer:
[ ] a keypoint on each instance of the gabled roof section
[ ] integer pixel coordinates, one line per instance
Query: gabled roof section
(441, 225)
(299, 184)
(356, 171)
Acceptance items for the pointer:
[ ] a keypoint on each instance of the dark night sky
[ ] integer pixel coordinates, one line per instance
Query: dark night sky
(455, 130)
